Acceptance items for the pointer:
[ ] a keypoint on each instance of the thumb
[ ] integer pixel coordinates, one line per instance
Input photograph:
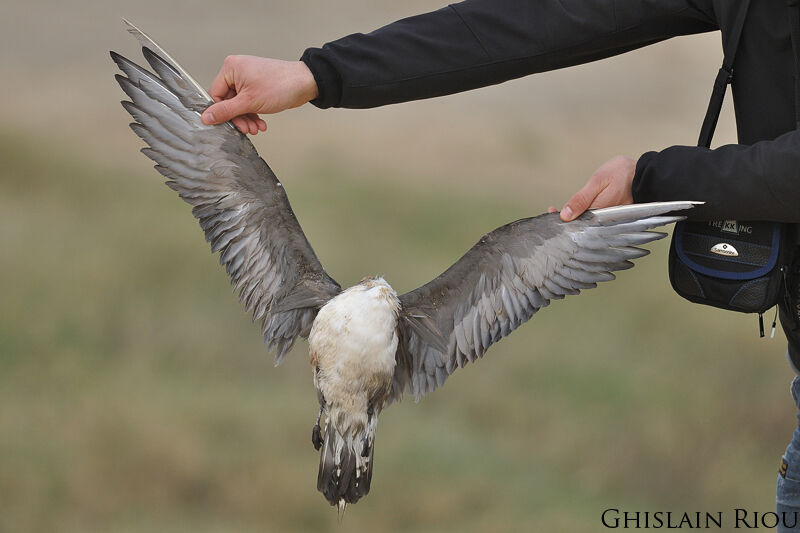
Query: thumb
(579, 202)
(225, 110)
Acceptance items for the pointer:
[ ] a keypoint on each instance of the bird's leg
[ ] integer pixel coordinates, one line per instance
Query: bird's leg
(365, 449)
(316, 431)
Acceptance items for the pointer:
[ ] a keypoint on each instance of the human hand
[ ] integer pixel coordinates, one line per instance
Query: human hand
(249, 85)
(609, 185)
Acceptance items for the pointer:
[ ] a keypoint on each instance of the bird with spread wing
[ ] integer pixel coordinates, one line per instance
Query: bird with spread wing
(367, 344)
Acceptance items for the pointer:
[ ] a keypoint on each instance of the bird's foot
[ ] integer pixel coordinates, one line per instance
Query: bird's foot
(316, 431)
(316, 436)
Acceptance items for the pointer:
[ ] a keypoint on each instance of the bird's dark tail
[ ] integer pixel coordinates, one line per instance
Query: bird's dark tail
(345, 463)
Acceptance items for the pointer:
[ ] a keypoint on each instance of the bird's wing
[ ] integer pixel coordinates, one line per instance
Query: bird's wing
(236, 197)
(509, 275)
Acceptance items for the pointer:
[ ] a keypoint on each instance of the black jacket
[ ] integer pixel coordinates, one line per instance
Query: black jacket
(482, 42)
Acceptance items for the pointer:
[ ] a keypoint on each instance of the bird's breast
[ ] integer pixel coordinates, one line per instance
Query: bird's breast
(353, 341)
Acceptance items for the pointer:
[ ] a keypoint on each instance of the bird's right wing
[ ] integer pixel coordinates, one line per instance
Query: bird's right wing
(509, 275)
(240, 204)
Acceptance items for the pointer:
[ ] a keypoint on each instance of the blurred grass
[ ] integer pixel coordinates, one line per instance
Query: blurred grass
(135, 395)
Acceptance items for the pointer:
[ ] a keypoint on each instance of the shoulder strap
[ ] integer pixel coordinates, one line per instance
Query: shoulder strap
(724, 76)
(794, 19)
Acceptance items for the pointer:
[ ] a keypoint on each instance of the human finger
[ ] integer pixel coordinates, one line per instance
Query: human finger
(241, 124)
(257, 122)
(581, 200)
(224, 81)
(225, 110)
(253, 123)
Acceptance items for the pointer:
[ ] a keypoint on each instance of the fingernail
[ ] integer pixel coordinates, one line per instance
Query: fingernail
(566, 213)
(208, 117)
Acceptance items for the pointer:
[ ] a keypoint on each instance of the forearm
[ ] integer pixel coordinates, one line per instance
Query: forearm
(483, 42)
(756, 182)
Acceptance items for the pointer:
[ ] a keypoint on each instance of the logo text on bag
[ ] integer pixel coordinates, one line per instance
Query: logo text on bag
(724, 248)
(730, 226)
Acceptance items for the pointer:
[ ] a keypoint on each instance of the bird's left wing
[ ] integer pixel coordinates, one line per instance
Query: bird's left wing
(238, 200)
(509, 275)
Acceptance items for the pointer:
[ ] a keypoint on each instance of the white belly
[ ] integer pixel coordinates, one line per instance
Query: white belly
(353, 343)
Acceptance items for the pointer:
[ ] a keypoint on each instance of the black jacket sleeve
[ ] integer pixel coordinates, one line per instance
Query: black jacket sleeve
(743, 182)
(483, 42)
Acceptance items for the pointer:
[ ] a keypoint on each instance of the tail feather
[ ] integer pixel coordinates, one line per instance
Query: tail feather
(345, 474)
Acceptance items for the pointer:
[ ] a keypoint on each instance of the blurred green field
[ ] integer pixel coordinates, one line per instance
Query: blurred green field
(136, 396)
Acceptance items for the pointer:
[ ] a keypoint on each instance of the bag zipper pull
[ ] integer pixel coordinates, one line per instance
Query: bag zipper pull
(774, 322)
(761, 325)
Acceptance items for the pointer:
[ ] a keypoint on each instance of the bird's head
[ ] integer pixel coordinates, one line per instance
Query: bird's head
(377, 283)
(370, 282)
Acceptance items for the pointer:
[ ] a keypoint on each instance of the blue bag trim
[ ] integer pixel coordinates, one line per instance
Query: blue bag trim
(697, 282)
(743, 287)
(740, 276)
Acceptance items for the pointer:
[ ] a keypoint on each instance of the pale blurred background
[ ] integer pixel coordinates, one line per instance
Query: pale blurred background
(135, 394)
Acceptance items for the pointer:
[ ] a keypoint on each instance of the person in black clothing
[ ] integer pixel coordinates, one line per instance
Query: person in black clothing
(482, 42)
